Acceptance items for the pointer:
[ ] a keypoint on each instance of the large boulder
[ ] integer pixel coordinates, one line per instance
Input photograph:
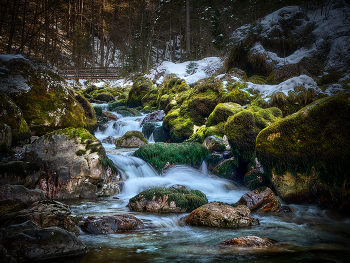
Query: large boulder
(214, 144)
(167, 200)
(150, 99)
(153, 117)
(307, 153)
(131, 139)
(158, 154)
(46, 214)
(243, 128)
(74, 165)
(248, 242)
(221, 113)
(19, 173)
(46, 102)
(221, 215)
(140, 88)
(27, 242)
(110, 224)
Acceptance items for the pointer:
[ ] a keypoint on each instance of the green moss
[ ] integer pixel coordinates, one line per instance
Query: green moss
(148, 128)
(243, 128)
(150, 99)
(126, 111)
(129, 135)
(257, 79)
(80, 152)
(140, 88)
(98, 110)
(158, 154)
(184, 198)
(221, 112)
(180, 126)
(160, 134)
(226, 169)
(81, 135)
(315, 137)
(204, 132)
(331, 77)
(116, 104)
(107, 163)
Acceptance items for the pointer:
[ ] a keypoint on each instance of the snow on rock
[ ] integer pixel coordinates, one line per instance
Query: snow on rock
(285, 87)
(8, 57)
(191, 71)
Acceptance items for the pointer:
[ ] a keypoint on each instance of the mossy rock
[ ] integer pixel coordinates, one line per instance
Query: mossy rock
(105, 96)
(127, 112)
(256, 176)
(236, 94)
(112, 106)
(243, 128)
(161, 135)
(131, 139)
(98, 110)
(221, 112)
(227, 168)
(148, 128)
(12, 116)
(257, 79)
(140, 88)
(179, 126)
(330, 77)
(203, 132)
(150, 99)
(186, 199)
(316, 137)
(158, 154)
(171, 88)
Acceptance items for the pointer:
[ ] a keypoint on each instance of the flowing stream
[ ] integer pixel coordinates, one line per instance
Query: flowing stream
(308, 235)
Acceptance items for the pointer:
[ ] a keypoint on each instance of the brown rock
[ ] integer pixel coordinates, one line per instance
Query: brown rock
(153, 117)
(109, 139)
(110, 224)
(47, 214)
(156, 205)
(221, 215)
(249, 241)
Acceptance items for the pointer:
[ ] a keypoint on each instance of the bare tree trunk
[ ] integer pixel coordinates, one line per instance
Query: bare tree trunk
(143, 35)
(102, 44)
(13, 25)
(93, 34)
(188, 28)
(3, 14)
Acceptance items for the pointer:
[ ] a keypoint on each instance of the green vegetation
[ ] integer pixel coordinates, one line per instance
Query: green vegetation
(221, 112)
(203, 132)
(158, 154)
(184, 198)
(98, 110)
(148, 128)
(315, 137)
(129, 135)
(140, 88)
(226, 168)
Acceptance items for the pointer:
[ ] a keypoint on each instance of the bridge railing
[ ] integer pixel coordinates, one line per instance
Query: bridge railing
(90, 73)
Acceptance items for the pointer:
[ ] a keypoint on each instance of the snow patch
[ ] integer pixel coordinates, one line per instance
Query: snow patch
(8, 57)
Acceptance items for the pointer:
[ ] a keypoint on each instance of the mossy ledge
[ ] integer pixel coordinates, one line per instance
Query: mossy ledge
(184, 198)
(158, 154)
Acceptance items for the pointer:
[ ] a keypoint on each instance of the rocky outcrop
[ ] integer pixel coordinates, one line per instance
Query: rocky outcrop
(153, 117)
(110, 224)
(28, 241)
(74, 165)
(131, 139)
(167, 200)
(221, 215)
(248, 242)
(47, 214)
(307, 153)
(262, 200)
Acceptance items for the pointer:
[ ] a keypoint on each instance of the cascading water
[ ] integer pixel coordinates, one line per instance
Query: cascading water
(310, 234)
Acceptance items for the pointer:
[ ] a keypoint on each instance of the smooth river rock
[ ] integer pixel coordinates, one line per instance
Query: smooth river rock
(249, 242)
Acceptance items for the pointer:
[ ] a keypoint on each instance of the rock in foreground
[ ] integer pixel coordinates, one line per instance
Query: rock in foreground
(110, 224)
(249, 241)
(131, 139)
(167, 200)
(217, 214)
(28, 241)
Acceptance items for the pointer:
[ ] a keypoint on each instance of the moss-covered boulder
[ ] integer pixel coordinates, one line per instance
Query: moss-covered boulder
(75, 165)
(127, 111)
(158, 154)
(217, 214)
(45, 100)
(171, 89)
(179, 125)
(214, 144)
(13, 126)
(167, 200)
(150, 99)
(140, 88)
(243, 128)
(131, 139)
(236, 92)
(227, 169)
(256, 177)
(312, 142)
(221, 113)
(203, 132)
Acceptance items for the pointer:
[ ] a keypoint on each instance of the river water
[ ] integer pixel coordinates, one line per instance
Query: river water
(308, 235)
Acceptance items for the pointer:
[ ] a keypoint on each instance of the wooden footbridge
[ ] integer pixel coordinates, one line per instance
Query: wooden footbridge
(90, 73)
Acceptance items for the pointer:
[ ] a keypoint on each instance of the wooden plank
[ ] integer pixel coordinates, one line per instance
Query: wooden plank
(90, 73)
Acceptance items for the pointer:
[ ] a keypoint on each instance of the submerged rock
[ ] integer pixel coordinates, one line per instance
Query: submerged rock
(167, 200)
(249, 241)
(131, 139)
(28, 241)
(110, 224)
(217, 214)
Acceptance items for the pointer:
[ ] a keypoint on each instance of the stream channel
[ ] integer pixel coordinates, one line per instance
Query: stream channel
(308, 235)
